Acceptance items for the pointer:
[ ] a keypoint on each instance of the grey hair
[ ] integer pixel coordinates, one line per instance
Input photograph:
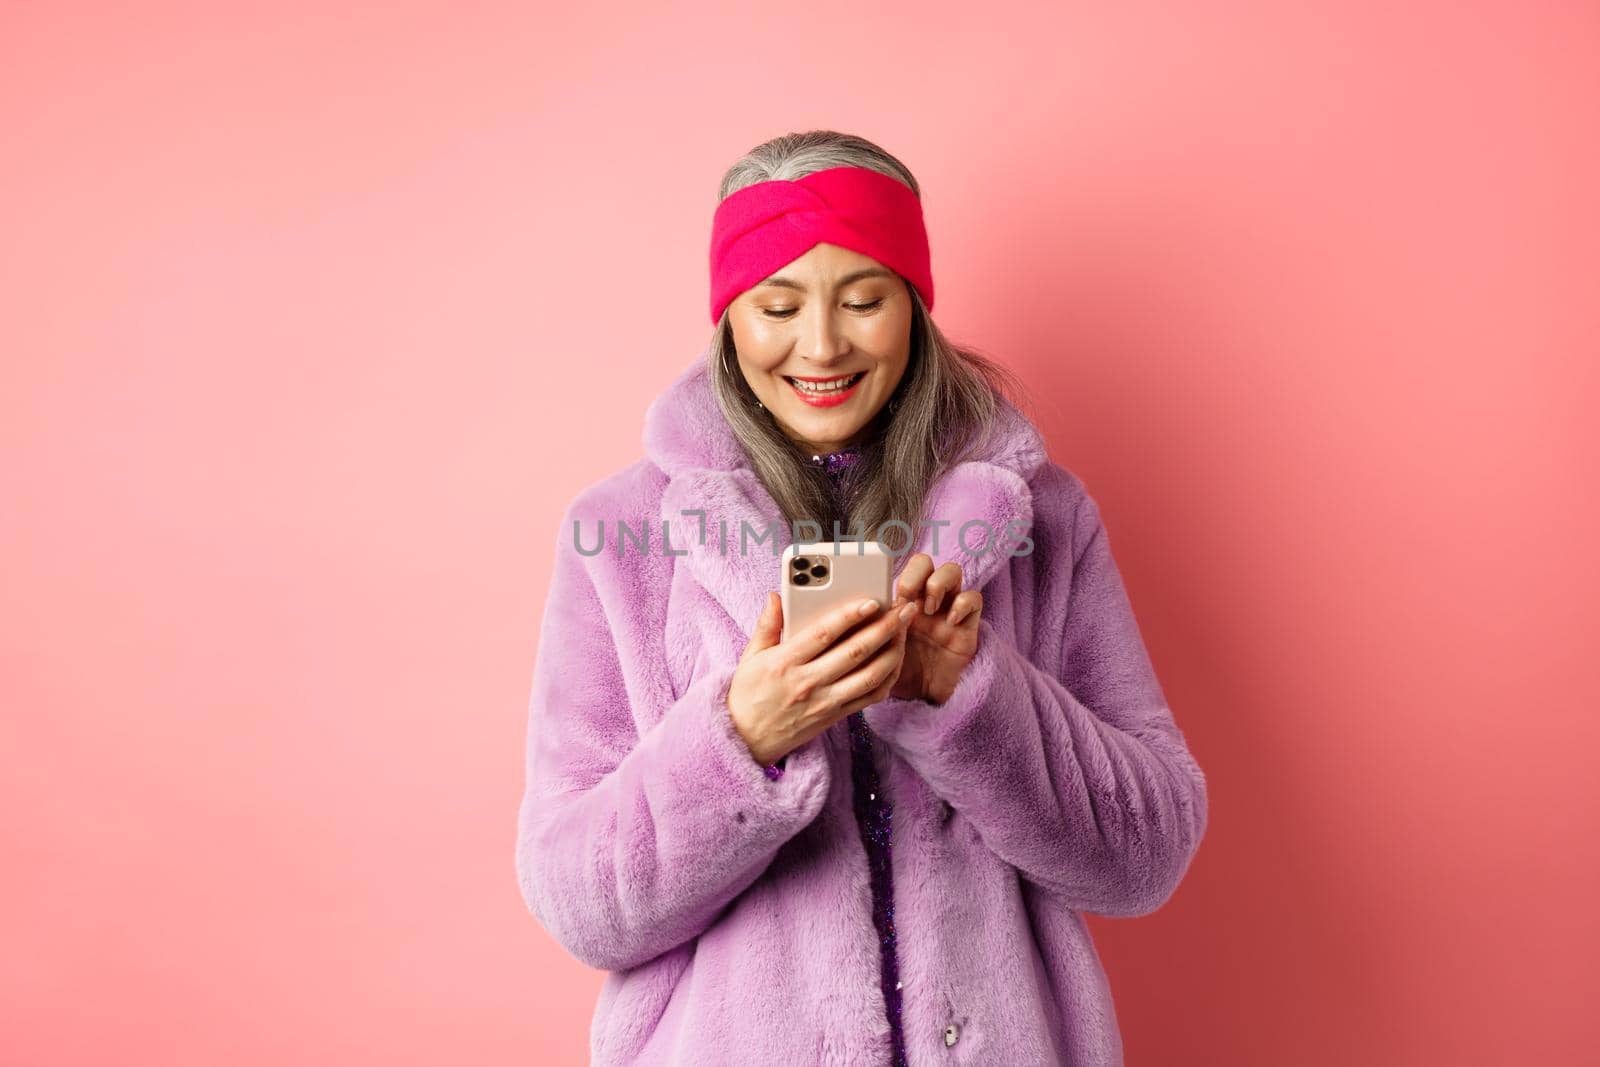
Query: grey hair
(943, 410)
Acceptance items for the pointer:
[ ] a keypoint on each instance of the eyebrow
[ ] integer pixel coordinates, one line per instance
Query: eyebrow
(854, 276)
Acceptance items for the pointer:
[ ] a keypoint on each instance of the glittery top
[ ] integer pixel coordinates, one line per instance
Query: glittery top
(873, 815)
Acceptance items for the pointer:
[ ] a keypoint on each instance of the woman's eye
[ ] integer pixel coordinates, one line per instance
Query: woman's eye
(784, 313)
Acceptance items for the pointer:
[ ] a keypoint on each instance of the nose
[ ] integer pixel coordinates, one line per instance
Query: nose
(823, 343)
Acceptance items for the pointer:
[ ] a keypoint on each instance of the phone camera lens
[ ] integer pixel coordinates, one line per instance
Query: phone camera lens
(819, 571)
(802, 579)
(798, 563)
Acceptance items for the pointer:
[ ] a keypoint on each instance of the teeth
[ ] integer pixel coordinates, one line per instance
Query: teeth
(823, 389)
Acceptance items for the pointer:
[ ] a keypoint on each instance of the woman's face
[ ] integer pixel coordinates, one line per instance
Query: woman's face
(833, 316)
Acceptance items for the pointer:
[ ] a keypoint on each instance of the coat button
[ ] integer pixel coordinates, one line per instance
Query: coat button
(951, 1032)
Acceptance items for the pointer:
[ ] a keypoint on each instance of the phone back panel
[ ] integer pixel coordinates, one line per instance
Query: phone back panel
(818, 576)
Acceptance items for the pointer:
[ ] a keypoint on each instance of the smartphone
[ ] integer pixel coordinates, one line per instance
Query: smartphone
(819, 576)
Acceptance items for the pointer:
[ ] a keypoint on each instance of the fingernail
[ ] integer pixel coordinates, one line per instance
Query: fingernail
(867, 607)
(908, 612)
(928, 606)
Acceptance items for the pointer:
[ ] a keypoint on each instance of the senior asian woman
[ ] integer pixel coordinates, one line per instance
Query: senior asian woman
(872, 842)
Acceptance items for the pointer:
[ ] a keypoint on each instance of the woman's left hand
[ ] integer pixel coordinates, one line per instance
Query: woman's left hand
(940, 644)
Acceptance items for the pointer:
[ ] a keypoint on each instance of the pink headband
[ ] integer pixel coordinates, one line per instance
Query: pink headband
(764, 226)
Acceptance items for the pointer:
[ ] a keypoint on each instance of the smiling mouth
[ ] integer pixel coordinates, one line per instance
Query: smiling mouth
(825, 386)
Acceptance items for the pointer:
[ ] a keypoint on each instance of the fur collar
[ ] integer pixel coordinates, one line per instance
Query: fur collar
(686, 436)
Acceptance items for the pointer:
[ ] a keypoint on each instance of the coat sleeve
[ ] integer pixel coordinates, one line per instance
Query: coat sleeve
(631, 843)
(1082, 782)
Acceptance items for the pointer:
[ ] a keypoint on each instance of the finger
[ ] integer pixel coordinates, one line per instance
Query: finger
(945, 581)
(913, 575)
(806, 644)
(967, 607)
(854, 650)
(768, 628)
(869, 683)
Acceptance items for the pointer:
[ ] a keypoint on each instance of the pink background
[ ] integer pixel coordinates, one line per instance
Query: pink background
(312, 321)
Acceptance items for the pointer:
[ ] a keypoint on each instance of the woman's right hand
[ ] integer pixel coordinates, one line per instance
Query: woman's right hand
(784, 693)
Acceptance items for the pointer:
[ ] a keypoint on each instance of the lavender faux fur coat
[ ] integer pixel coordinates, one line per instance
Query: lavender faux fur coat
(733, 912)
